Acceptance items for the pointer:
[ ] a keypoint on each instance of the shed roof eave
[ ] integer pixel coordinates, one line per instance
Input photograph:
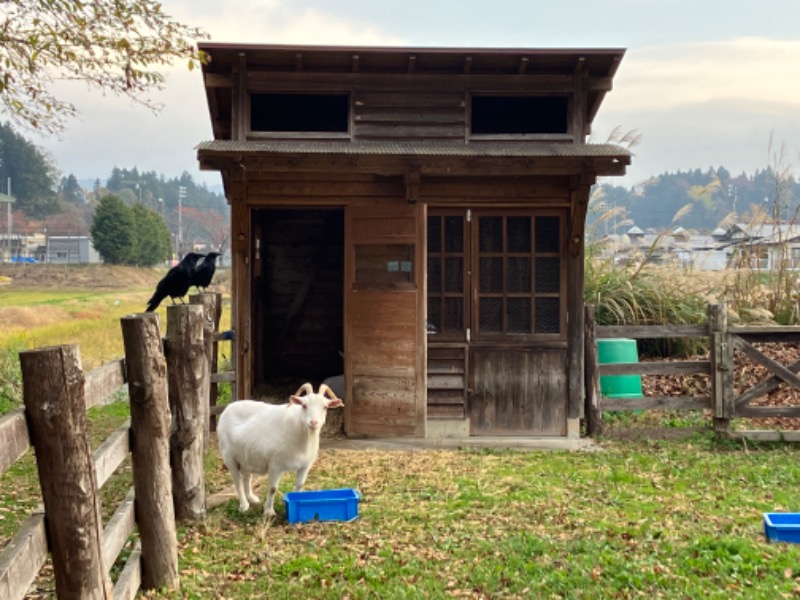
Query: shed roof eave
(231, 161)
(222, 150)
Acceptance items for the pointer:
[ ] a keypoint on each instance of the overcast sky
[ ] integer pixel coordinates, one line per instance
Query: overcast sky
(706, 82)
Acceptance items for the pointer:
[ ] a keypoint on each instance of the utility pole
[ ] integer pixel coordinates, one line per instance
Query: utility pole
(9, 200)
(9, 217)
(179, 241)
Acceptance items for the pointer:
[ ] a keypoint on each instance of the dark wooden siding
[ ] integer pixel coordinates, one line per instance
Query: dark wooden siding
(398, 115)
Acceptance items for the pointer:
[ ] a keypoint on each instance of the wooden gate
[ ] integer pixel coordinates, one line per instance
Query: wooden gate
(723, 401)
(742, 340)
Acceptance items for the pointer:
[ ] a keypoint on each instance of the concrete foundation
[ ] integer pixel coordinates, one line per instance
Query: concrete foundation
(447, 428)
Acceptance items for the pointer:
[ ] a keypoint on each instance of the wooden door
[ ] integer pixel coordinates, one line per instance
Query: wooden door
(510, 319)
(384, 325)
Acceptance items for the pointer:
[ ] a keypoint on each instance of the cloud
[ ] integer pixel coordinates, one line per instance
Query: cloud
(697, 104)
(706, 104)
(741, 69)
(112, 131)
(281, 22)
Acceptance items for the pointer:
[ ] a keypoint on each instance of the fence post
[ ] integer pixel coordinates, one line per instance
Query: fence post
(212, 312)
(721, 357)
(594, 416)
(187, 373)
(150, 429)
(52, 389)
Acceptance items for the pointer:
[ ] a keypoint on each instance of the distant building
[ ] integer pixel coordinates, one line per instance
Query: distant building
(70, 250)
(21, 246)
(760, 246)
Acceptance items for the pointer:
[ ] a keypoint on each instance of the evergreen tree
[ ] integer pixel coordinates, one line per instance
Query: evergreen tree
(152, 236)
(71, 191)
(33, 178)
(114, 230)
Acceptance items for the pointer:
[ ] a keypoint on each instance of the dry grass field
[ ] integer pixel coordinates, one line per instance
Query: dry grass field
(43, 305)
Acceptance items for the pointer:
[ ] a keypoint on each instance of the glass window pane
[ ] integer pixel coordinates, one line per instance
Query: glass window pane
(434, 275)
(453, 315)
(434, 234)
(518, 315)
(385, 263)
(548, 274)
(491, 275)
(491, 234)
(547, 315)
(454, 275)
(491, 315)
(519, 234)
(519, 275)
(434, 315)
(454, 234)
(547, 234)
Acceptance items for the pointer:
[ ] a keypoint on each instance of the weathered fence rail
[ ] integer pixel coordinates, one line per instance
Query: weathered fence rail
(723, 342)
(57, 394)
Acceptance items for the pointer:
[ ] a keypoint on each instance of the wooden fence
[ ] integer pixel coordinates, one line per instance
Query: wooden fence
(723, 401)
(168, 383)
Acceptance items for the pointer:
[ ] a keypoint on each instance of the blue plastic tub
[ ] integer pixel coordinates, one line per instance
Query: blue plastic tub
(322, 505)
(782, 527)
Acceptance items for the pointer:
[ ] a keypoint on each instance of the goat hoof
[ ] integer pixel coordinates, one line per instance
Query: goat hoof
(243, 507)
(254, 500)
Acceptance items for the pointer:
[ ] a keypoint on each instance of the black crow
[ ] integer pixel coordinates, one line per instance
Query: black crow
(205, 271)
(176, 282)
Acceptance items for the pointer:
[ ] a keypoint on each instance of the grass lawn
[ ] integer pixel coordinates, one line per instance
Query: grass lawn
(667, 520)
(680, 519)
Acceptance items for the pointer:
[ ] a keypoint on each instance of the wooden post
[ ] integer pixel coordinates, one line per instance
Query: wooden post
(214, 366)
(53, 392)
(212, 312)
(150, 429)
(187, 373)
(721, 366)
(575, 303)
(594, 417)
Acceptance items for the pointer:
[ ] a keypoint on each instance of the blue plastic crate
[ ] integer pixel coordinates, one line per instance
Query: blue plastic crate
(322, 505)
(782, 527)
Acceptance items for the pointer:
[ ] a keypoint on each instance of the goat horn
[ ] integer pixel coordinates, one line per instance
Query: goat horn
(324, 390)
(306, 387)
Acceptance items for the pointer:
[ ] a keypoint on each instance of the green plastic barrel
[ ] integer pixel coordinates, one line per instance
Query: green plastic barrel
(619, 350)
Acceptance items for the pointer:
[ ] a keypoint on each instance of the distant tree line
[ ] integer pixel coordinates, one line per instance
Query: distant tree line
(715, 198)
(45, 200)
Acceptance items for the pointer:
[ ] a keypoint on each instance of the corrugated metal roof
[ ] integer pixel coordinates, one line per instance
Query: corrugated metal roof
(418, 148)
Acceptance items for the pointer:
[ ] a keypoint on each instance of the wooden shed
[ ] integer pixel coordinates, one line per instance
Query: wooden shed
(412, 218)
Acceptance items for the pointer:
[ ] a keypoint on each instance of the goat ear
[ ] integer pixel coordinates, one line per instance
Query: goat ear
(296, 400)
(335, 403)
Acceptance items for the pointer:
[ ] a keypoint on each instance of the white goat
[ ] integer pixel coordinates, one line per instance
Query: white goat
(259, 438)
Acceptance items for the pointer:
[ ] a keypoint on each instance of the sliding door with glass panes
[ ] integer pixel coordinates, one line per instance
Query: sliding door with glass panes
(496, 288)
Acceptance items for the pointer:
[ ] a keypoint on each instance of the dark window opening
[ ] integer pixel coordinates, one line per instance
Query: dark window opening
(519, 114)
(299, 112)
